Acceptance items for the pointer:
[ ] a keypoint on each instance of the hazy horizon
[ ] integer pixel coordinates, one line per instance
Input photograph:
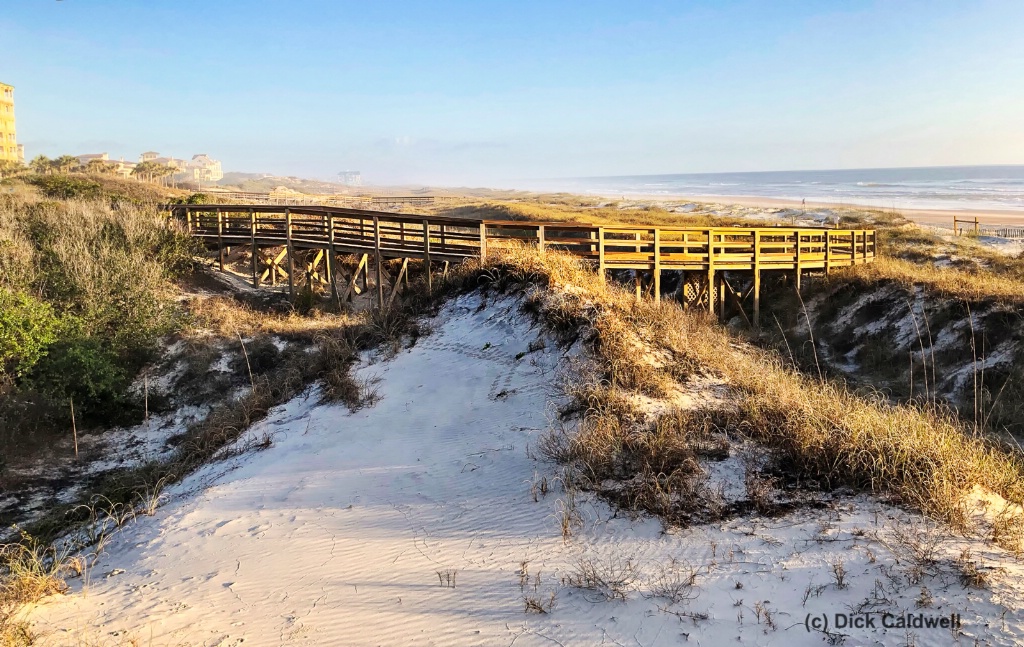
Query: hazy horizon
(460, 93)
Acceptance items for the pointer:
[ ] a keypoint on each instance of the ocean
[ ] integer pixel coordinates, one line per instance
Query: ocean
(951, 187)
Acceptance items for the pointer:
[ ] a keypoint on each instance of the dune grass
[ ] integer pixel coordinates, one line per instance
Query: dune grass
(819, 431)
(971, 286)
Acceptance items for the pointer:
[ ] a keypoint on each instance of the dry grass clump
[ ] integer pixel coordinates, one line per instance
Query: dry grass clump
(611, 579)
(675, 582)
(30, 571)
(973, 285)
(227, 317)
(819, 431)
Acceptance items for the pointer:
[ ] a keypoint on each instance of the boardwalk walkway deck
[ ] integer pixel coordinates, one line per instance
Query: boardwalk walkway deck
(710, 259)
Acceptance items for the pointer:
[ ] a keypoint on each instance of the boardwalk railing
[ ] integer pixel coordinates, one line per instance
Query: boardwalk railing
(305, 199)
(701, 254)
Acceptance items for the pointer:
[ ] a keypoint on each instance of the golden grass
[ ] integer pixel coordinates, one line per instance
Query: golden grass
(820, 430)
(30, 571)
(585, 211)
(967, 285)
(227, 317)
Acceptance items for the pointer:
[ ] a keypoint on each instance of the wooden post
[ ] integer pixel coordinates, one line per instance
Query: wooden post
(711, 271)
(291, 251)
(798, 260)
(188, 220)
(380, 269)
(828, 252)
(757, 278)
(254, 249)
(331, 258)
(721, 296)
(220, 239)
(540, 238)
(426, 254)
(657, 266)
(600, 254)
(444, 239)
(483, 241)
(637, 283)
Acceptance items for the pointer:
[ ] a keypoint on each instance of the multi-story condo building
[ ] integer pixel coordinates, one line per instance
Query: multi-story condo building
(10, 150)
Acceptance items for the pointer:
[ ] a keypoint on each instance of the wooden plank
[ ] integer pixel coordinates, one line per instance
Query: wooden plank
(828, 253)
(711, 271)
(736, 300)
(274, 266)
(332, 259)
(657, 266)
(402, 273)
(380, 270)
(798, 268)
(220, 239)
(291, 252)
(254, 249)
(360, 268)
(426, 255)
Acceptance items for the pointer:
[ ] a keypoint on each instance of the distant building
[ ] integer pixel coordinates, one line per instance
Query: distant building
(201, 167)
(350, 178)
(10, 149)
(122, 168)
(83, 160)
(205, 169)
(119, 167)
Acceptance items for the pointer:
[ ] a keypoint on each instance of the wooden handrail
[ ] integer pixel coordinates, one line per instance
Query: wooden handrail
(708, 252)
(612, 246)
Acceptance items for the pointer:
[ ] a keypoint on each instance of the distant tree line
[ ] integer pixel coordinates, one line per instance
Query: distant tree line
(65, 164)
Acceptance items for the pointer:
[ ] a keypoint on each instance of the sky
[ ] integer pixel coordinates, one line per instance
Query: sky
(477, 92)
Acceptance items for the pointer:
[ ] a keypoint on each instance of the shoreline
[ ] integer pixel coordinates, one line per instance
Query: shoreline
(921, 215)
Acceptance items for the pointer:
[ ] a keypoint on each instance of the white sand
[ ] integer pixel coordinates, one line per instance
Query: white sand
(336, 535)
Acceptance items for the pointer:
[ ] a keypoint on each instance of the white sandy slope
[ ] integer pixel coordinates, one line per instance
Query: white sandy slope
(337, 533)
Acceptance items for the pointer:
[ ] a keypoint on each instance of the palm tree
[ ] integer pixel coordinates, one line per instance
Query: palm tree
(41, 165)
(65, 163)
(11, 168)
(100, 166)
(143, 170)
(164, 171)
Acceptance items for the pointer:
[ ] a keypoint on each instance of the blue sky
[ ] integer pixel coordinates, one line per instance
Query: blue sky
(477, 92)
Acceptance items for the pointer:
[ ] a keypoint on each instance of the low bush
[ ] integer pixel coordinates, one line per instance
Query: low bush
(66, 187)
(27, 328)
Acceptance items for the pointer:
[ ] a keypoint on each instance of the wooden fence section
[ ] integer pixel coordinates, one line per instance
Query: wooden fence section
(716, 264)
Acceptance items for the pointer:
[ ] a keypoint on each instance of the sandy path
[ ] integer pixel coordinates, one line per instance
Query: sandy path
(337, 533)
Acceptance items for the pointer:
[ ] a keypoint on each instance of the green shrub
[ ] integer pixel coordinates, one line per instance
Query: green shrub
(27, 327)
(65, 187)
(85, 370)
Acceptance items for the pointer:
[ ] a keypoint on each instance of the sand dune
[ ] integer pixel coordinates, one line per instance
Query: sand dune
(413, 522)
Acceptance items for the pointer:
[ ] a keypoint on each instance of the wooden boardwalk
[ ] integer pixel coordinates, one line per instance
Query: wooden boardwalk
(720, 266)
